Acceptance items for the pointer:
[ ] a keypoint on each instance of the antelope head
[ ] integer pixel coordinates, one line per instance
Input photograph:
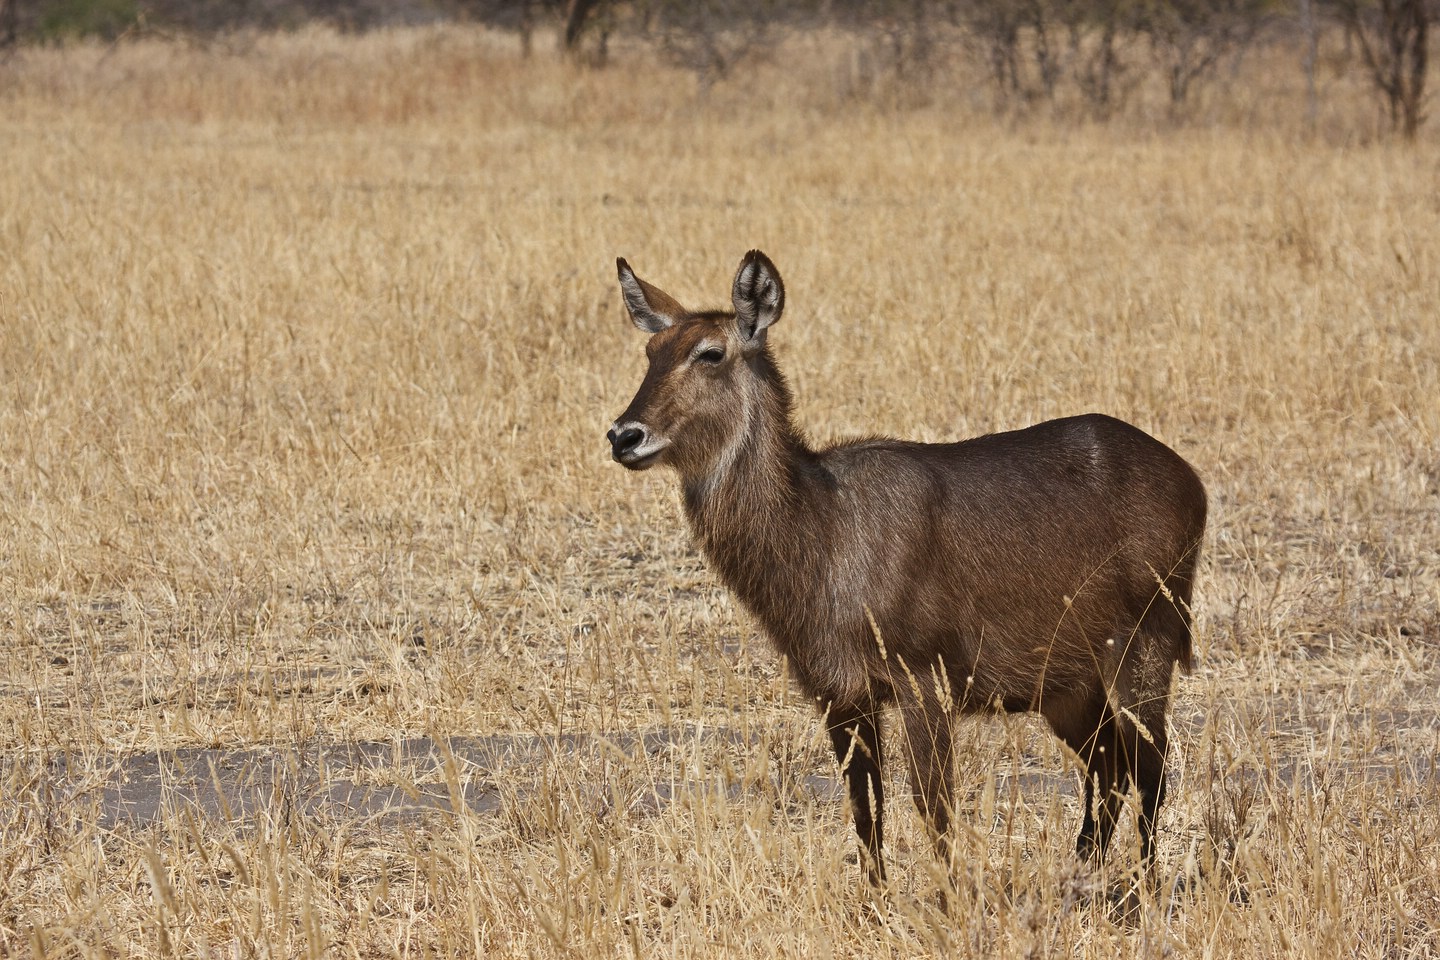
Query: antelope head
(706, 375)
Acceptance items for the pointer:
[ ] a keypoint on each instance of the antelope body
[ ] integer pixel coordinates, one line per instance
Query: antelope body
(1047, 569)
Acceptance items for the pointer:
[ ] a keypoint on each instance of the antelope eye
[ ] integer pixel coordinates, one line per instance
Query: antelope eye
(713, 355)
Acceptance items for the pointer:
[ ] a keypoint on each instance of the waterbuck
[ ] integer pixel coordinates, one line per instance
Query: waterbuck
(1047, 569)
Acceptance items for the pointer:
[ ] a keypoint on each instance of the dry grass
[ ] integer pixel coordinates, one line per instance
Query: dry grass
(307, 348)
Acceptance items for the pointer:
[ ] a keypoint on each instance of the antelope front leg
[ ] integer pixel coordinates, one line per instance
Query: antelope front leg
(855, 735)
(930, 748)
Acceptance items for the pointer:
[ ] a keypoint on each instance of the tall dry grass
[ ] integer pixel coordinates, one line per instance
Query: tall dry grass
(307, 347)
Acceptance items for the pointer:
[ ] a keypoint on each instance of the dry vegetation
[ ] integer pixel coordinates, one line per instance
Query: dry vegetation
(307, 348)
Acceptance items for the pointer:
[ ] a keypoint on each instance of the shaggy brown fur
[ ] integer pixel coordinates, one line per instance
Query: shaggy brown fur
(1045, 569)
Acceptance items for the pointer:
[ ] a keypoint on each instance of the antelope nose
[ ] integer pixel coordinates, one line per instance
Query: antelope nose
(624, 442)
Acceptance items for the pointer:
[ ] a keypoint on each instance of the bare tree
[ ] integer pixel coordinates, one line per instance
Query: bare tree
(1393, 37)
(1049, 56)
(995, 26)
(1060, 37)
(1092, 28)
(577, 12)
(1191, 37)
(907, 30)
(1310, 27)
(9, 18)
(901, 46)
(712, 37)
(527, 28)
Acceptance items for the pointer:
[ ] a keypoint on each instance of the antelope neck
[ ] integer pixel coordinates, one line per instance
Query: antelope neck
(752, 498)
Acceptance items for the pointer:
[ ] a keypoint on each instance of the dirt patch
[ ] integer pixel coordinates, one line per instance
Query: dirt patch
(378, 782)
(405, 780)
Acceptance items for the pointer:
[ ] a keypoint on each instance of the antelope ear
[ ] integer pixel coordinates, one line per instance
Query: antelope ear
(651, 309)
(759, 296)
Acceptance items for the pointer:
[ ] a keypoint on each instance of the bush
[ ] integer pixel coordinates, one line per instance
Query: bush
(69, 19)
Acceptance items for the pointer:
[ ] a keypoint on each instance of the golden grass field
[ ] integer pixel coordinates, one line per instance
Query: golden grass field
(308, 345)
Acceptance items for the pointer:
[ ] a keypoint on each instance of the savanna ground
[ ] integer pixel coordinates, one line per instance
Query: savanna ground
(307, 349)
